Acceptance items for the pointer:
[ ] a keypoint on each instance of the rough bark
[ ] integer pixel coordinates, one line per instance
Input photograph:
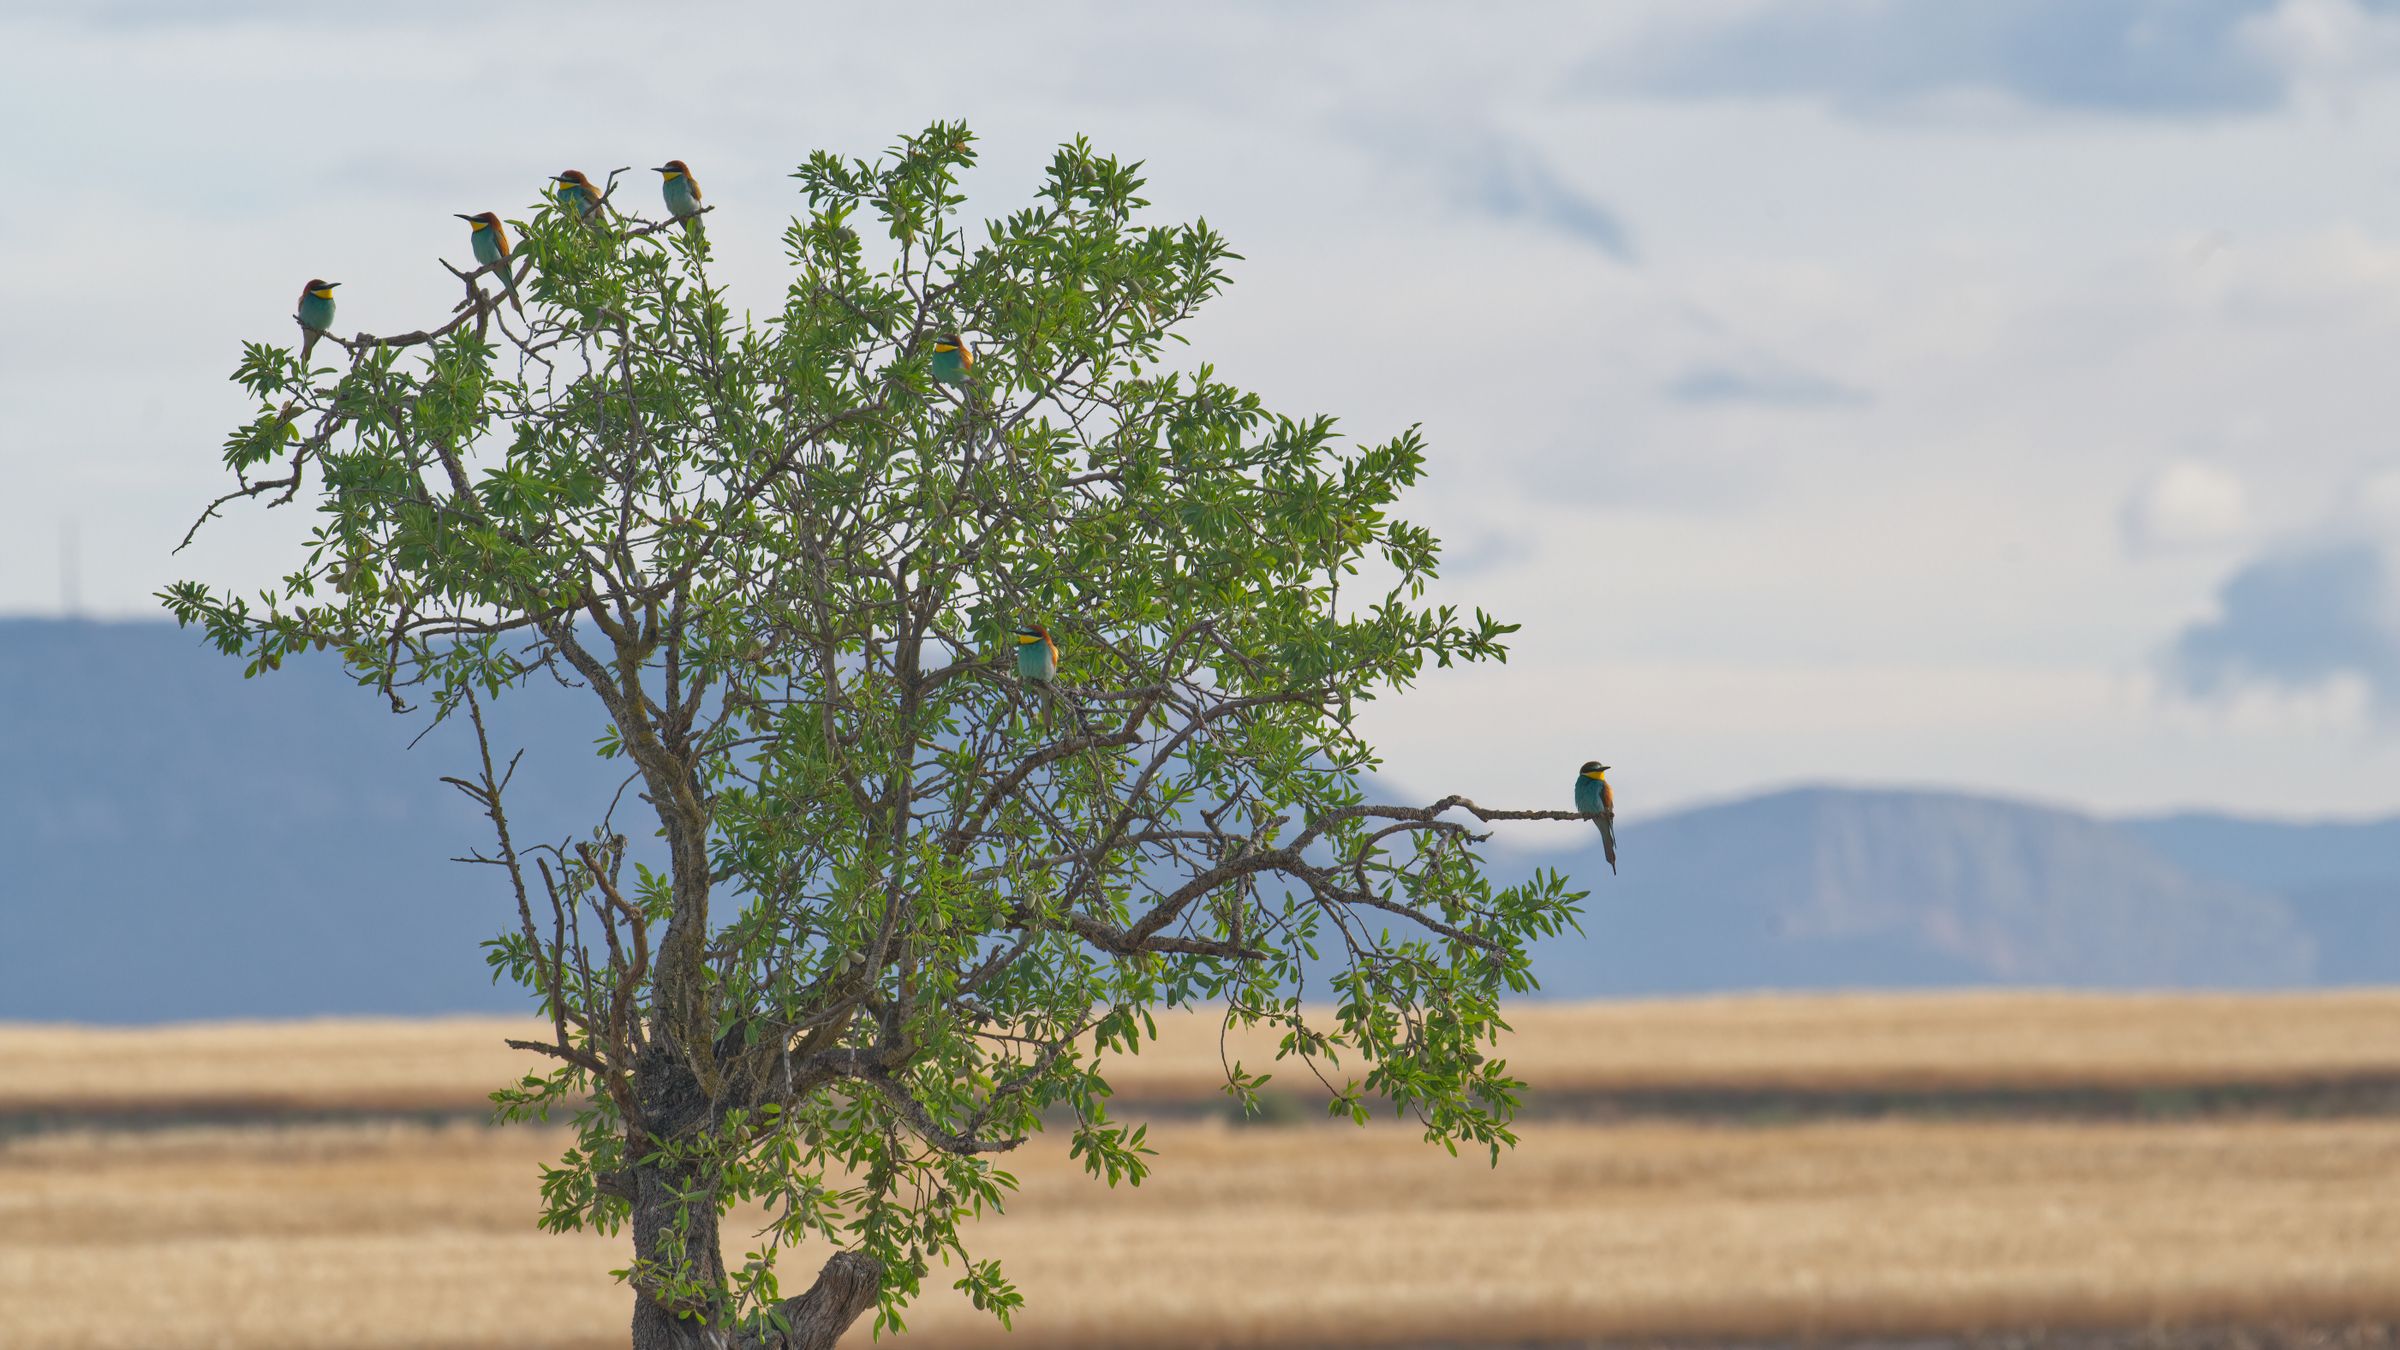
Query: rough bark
(667, 1193)
(694, 1252)
(674, 1106)
(845, 1289)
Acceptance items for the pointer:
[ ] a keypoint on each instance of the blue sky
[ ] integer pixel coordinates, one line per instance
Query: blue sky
(1997, 395)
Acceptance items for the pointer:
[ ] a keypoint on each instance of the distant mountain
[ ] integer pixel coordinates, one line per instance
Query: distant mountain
(2274, 855)
(1829, 888)
(177, 842)
(2341, 879)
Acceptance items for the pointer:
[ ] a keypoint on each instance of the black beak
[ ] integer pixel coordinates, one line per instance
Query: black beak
(663, 168)
(464, 216)
(331, 284)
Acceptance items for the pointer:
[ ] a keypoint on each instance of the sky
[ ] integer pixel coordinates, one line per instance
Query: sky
(1989, 395)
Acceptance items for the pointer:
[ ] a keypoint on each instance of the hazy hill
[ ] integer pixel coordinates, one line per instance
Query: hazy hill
(2342, 880)
(1826, 887)
(2272, 854)
(179, 842)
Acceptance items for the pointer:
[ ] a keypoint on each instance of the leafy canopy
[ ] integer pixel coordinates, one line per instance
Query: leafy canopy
(871, 909)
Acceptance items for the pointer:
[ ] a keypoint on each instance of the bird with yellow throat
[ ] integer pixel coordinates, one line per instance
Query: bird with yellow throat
(1593, 798)
(681, 190)
(577, 194)
(315, 314)
(491, 246)
(952, 359)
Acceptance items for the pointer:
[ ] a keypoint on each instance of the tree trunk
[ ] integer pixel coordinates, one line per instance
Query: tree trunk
(845, 1288)
(692, 1254)
(666, 1194)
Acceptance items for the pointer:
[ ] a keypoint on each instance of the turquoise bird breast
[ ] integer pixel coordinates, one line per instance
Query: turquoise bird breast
(1587, 793)
(682, 198)
(490, 242)
(316, 309)
(952, 359)
(577, 193)
(1037, 659)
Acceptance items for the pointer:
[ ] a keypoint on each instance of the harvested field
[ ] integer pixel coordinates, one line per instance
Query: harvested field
(1867, 1043)
(1900, 1041)
(1317, 1236)
(346, 1211)
(336, 1064)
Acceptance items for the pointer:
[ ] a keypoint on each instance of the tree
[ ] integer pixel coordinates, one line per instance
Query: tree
(890, 907)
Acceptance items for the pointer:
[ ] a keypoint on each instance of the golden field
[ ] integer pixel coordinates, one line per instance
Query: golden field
(421, 1235)
(1827, 1041)
(413, 1236)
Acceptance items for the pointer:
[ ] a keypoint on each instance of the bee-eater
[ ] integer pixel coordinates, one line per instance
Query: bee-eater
(1593, 798)
(952, 359)
(1037, 655)
(491, 246)
(1037, 665)
(681, 189)
(577, 194)
(315, 313)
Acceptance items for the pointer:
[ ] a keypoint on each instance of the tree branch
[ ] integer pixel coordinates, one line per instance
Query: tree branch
(847, 1285)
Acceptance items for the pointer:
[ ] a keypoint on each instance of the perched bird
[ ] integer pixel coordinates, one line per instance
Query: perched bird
(952, 359)
(1037, 655)
(315, 313)
(1037, 666)
(491, 246)
(577, 193)
(681, 189)
(1592, 797)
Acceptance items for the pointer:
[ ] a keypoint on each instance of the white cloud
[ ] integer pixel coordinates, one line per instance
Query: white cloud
(1889, 58)
(2187, 505)
(2327, 46)
(2377, 502)
(2162, 269)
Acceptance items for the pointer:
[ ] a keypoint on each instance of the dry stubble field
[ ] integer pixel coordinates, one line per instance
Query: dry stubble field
(391, 1234)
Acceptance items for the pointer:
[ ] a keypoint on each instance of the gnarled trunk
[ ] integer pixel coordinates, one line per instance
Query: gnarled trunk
(846, 1286)
(690, 1251)
(675, 1230)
